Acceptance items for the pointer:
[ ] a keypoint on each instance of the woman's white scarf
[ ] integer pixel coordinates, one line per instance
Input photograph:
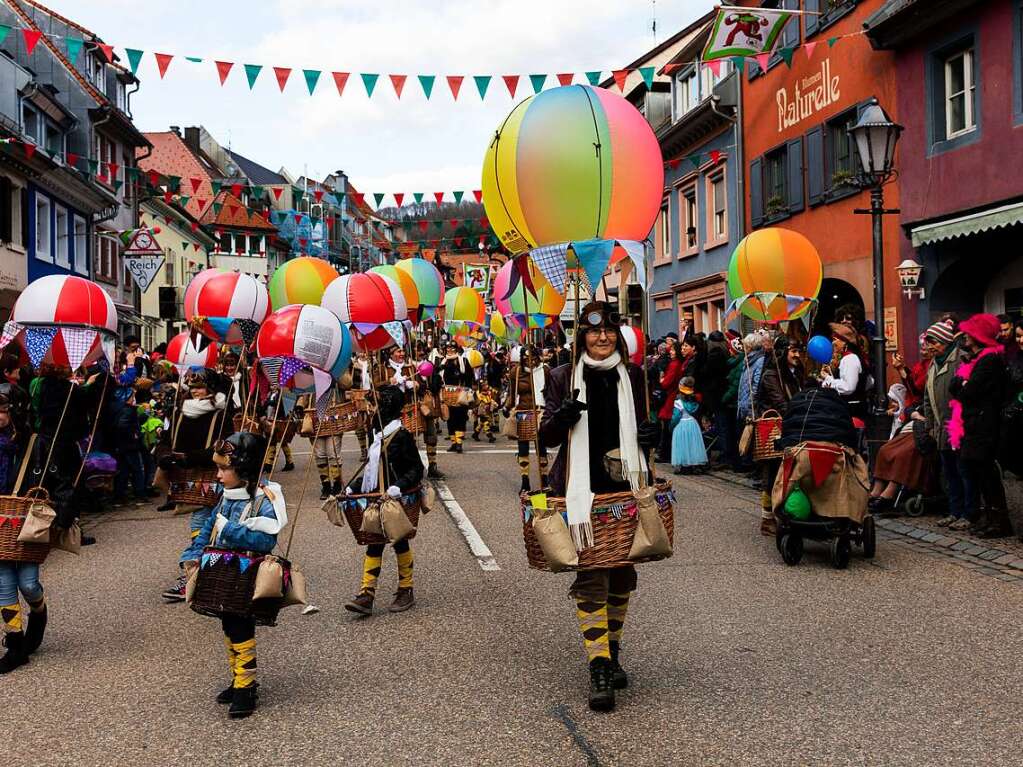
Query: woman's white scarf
(364, 379)
(369, 476)
(193, 408)
(269, 525)
(579, 494)
(537, 379)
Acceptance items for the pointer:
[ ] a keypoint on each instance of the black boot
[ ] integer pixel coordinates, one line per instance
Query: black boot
(324, 489)
(227, 696)
(36, 629)
(476, 436)
(491, 438)
(434, 473)
(16, 655)
(621, 679)
(602, 691)
(453, 447)
(998, 526)
(981, 522)
(525, 487)
(243, 702)
(338, 488)
(289, 466)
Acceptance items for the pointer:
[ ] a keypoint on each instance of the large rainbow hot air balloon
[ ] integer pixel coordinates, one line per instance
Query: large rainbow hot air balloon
(464, 305)
(774, 275)
(300, 281)
(572, 163)
(429, 284)
(536, 309)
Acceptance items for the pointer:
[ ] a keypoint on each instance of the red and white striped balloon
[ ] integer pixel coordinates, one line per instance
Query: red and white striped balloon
(186, 351)
(66, 300)
(365, 302)
(221, 296)
(635, 342)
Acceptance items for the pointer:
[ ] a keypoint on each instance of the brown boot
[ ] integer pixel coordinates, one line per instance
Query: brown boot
(768, 527)
(362, 603)
(404, 600)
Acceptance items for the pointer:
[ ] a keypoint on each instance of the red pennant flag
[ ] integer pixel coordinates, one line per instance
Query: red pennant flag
(224, 69)
(318, 194)
(398, 197)
(619, 76)
(670, 69)
(788, 464)
(72, 158)
(360, 198)
(566, 78)
(167, 196)
(233, 209)
(154, 178)
(298, 218)
(673, 164)
(202, 204)
(277, 192)
(195, 228)
(398, 82)
(511, 82)
(439, 197)
(31, 38)
(236, 190)
(196, 183)
(485, 222)
(303, 241)
(454, 223)
(714, 65)
(458, 242)
(340, 78)
(163, 61)
(112, 167)
(478, 194)
(283, 73)
(108, 51)
(423, 225)
(809, 48)
(821, 463)
(195, 245)
(763, 59)
(715, 155)
(455, 84)
(30, 149)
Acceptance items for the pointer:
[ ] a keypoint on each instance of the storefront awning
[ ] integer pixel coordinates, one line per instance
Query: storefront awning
(1007, 215)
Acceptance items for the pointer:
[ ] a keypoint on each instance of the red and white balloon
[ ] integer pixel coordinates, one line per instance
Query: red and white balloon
(635, 342)
(366, 302)
(216, 299)
(191, 351)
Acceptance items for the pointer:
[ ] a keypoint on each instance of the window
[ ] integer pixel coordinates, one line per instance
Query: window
(63, 251)
(708, 79)
(170, 268)
(10, 210)
(717, 193)
(121, 97)
(687, 92)
(841, 161)
(774, 182)
(106, 250)
(829, 12)
(663, 247)
(96, 71)
(688, 219)
(106, 152)
(43, 229)
(224, 243)
(960, 90)
(81, 247)
(664, 303)
(31, 123)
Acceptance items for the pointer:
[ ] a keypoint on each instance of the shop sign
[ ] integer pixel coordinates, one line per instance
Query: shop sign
(809, 96)
(891, 329)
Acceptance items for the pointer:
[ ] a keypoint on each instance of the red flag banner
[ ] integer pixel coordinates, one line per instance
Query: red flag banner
(619, 76)
(455, 84)
(224, 69)
(282, 73)
(340, 79)
(511, 82)
(163, 61)
(398, 82)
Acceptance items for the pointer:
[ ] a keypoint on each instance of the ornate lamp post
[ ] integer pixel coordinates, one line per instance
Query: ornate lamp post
(876, 136)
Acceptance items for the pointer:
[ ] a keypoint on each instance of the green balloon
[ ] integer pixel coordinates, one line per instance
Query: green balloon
(797, 505)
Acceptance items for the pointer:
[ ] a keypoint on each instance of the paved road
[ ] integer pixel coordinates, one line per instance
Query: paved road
(734, 658)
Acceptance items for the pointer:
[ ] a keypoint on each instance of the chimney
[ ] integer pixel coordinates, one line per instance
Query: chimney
(192, 138)
(176, 129)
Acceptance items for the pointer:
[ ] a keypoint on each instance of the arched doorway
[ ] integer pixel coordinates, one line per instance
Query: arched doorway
(833, 294)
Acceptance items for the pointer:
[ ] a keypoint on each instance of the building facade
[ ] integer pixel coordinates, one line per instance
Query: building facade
(960, 65)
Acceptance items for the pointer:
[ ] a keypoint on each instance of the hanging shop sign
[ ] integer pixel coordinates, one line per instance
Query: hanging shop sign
(143, 258)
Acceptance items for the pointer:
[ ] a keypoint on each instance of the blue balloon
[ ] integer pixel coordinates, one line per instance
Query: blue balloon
(819, 349)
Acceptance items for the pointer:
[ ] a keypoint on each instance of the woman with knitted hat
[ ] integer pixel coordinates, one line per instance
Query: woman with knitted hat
(978, 393)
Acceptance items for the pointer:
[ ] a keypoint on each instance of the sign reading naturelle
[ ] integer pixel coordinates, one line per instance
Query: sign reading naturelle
(810, 95)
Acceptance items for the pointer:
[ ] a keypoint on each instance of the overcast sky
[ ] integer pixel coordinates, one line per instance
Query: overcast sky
(385, 145)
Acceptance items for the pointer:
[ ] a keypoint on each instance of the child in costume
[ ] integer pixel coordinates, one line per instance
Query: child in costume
(403, 475)
(688, 452)
(485, 411)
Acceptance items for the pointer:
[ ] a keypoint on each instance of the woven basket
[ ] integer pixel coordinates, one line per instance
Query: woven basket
(360, 397)
(194, 486)
(412, 419)
(766, 430)
(340, 418)
(13, 510)
(252, 425)
(353, 513)
(449, 395)
(525, 425)
(221, 588)
(612, 535)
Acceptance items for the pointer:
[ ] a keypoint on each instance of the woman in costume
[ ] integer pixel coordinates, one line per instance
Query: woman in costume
(246, 522)
(394, 448)
(526, 387)
(429, 405)
(455, 370)
(601, 377)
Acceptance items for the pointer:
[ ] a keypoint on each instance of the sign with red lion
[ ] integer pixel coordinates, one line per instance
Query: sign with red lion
(745, 32)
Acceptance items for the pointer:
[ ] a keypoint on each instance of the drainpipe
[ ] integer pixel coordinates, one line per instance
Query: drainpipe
(740, 175)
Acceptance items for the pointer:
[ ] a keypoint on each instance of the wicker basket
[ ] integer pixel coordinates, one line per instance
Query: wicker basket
(252, 425)
(614, 526)
(353, 510)
(199, 487)
(412, 419)
(222, 588)
(449, 395)
(13, 510)
(341, 418)
(525, 424)
(361, 399)
(766, 430)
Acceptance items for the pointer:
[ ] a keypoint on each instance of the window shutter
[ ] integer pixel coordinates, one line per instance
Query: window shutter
(24, 216)
(6, 210)
(790, 35)
(756, 192)
(815, 164)
(812, 20)
(794, 174)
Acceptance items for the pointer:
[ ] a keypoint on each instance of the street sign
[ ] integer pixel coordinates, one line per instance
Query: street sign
(143, 258)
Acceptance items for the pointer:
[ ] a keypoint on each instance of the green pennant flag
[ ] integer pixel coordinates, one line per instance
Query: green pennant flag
(134, 57)
(378, 197)
(4, 31)
(832, 41)
(739, 62)
(418, 197)
(184, 246)
(695, 160)
(312, 76)
(74, 47)
(217, 207)
(370, 82)
(537, 81)
(174, 183)
(118, 184)
(407, 224)
(482, 83)
(193, 59)
(256, 192)
(252, 72)
(593, 78)
(93, 166)
(457, 196)
(427, 82)
(183, 200)
(648, 76)
(786, 55)
(215, 187)
(297, 193)
(133, 173)
(438, 224)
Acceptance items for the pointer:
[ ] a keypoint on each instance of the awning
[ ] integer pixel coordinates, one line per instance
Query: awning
(1007, 215)
(127, 315)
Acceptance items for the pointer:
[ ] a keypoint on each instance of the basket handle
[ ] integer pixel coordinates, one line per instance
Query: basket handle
(24, 463)
(767, 414)
(38, 493)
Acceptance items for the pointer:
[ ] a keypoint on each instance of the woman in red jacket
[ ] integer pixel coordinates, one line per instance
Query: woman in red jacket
(669, 384)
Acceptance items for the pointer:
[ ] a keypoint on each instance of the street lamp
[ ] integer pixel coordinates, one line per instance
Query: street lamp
(876, 136)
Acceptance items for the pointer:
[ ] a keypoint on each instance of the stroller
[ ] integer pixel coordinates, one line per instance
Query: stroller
(822, 488)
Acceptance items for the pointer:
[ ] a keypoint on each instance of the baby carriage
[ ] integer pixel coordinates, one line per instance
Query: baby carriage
(98, 469)
(822, 488)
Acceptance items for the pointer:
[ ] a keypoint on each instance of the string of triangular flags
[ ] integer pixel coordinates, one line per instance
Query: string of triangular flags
(312, 77)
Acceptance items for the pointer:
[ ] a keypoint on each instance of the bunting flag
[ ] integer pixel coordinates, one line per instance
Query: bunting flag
(369, 81)
(31, 37)
(340, 79)
(289, 367)
(594, 256)
(252, 72)
(11, 331)
(455, 84)
(134, 58)
(38, 342)
(78, 342)
(426, 81)
(73, 46)
(747, 32)
(223, 70)
(482, 83)
(398, 83)
(312, 77)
